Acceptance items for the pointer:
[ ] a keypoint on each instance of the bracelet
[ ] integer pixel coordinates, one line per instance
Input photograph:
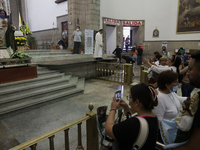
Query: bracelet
(113, 109)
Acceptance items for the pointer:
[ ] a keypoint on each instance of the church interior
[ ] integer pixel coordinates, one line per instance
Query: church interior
(51, 82)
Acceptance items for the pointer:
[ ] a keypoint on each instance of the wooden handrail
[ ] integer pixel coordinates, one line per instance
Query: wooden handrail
(49, 134)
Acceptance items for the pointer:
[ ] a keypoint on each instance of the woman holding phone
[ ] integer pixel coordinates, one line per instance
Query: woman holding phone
(142, 100)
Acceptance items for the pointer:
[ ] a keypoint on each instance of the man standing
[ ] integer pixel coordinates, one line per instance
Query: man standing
(164, 52)
(127, 43)
(77, 35)
(194, 77)
(98, 44)
(139, 55)
(118, 52)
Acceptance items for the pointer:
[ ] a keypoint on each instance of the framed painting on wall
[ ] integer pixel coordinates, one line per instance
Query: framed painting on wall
(188, 16)
(156, 33)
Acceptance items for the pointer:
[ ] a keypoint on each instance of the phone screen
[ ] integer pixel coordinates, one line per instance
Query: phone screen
(147, 56)
(118, 95)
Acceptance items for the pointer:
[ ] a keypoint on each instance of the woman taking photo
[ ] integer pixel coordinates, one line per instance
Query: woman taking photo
(142, 100)
(169, 103)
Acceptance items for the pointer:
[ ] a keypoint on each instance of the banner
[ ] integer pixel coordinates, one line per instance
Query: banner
(89, 36)
(132, 23)
(111, 21)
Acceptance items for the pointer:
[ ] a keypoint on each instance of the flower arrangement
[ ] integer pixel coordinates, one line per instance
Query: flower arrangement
(21, 41)
(27, 30)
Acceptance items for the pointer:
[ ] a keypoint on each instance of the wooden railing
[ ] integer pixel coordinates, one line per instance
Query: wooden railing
(120, 73)
(143, 74)
(91, 130)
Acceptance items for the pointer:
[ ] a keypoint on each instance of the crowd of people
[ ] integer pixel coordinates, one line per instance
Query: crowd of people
(158, 103)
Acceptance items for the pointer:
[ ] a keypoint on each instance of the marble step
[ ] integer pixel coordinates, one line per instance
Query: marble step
(44, 78)
(41, 73)
(32, 87)
(36, 59)
(35, 103)
(34, 95)
(47, 51)
(81, 83)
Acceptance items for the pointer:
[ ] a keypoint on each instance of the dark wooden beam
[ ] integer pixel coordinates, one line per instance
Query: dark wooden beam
(59, 1)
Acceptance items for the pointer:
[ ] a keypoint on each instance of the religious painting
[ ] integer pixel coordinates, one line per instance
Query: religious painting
(156, 33)
(65, 31)
(188, 18)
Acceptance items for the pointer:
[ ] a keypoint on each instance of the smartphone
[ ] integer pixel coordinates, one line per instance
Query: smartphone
(118, 95)
(147, 56)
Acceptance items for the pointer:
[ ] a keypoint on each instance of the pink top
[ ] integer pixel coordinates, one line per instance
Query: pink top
(145, 116)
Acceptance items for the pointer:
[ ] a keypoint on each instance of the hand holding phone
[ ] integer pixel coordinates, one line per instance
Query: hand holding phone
(118, 95)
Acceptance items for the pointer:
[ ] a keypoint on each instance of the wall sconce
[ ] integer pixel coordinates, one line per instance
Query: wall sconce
(69, 22)
(78, 20)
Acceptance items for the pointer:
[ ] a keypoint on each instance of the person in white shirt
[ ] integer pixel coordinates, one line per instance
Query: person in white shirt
(169, 103)
(173, 64)
(98, 44)
(164, 52)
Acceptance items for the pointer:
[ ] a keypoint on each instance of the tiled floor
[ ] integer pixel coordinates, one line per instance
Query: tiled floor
(29, 125)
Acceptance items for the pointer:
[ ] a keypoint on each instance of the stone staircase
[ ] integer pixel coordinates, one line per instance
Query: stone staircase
(53, 55)
(49, 87)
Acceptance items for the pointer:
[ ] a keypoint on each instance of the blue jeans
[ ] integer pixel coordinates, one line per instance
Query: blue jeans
(139, 60)
(186, 89)
(127, 48)
(135, 58)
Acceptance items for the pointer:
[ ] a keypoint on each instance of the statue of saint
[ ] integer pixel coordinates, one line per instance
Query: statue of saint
(7, 39)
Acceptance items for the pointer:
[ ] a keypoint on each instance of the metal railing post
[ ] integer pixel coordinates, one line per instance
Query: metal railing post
(67, 139)
(51, 142)
(92, 132)
(33, 147)
(141, 73)
(80, 146)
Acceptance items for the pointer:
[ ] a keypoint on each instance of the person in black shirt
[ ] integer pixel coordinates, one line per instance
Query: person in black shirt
(194, 77)
(128, 59)
(118, 52)
(142, 100)
(139, 55)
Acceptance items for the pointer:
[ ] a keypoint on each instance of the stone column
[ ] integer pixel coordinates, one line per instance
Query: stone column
(84, 13)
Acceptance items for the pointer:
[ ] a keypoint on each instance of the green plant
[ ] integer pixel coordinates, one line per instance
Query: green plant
(19, 55)
(31, 41)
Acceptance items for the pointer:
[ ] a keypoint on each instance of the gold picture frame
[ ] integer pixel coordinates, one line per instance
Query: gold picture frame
(156, 33)
(188, 17)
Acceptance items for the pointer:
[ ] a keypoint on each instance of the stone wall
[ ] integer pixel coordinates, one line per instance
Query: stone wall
(47, 35)
(84, 13)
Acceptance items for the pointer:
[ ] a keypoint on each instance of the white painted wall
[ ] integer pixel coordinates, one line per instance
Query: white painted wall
(156, 13)
(42, 13)
(110, 39)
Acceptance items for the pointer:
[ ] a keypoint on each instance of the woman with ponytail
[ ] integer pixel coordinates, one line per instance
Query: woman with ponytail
(142, 100)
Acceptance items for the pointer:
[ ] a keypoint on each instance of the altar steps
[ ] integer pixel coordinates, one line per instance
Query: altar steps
(53, 55)
(49, 87)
